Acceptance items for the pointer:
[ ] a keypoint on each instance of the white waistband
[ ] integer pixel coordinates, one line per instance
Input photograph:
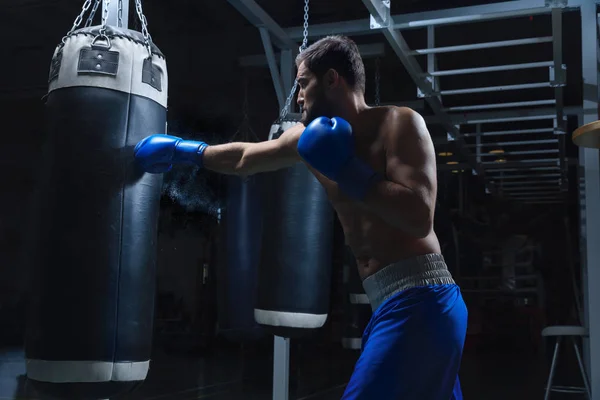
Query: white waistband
(425, 270)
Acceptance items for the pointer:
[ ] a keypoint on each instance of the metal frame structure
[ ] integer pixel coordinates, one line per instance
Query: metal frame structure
(530, 180)
(427, 82)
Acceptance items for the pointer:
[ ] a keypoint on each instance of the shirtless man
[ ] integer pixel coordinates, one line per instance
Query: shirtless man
(378, 167)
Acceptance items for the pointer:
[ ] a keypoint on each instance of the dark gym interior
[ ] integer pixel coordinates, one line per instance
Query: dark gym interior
(517, 202)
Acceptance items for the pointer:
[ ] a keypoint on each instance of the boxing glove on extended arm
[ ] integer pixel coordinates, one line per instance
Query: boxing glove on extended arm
(328, 146)
(157, 153)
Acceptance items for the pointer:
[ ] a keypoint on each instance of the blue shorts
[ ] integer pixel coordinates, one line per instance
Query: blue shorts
(412, 347)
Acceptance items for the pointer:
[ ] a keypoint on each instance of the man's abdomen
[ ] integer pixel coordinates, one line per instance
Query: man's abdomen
(376, 244)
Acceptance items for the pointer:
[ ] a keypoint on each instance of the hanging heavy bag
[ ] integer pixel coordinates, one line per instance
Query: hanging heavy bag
(91, 319)
(240, 249)
(240, 257)
(296, 255)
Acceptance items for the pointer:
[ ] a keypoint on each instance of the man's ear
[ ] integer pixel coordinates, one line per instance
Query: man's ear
(331, 79)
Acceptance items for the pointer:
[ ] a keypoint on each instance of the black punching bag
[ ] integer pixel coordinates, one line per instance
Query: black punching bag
(296, 256)
(240, 253)
(92, 302)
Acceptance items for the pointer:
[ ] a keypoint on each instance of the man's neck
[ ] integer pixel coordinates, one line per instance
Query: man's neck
(351, 106)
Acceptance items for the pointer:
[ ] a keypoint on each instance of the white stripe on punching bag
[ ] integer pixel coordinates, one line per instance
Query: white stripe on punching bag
(86, 371)
(289, 319)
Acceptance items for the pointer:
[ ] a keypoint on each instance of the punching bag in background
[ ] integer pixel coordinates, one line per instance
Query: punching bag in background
(240, 254)
(358, 309)
(296, 255)
(89, 336)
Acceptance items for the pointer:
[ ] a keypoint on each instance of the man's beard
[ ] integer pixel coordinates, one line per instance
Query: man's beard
(319, 108)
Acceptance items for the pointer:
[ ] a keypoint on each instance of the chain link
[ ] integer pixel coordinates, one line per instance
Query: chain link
(288, 102)
(120, 14)
(305, 31)
(104, 17)
(145, 34)
(78, 20)
(377, 82)
(90, 19)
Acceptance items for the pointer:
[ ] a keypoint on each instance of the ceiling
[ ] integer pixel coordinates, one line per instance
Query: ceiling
(213, 35)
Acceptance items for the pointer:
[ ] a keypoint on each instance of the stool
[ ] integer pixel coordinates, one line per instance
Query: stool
(571, 332)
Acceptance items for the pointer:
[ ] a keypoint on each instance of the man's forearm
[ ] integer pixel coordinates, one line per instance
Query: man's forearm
(226, 158)
(400, 206)
(240, 158)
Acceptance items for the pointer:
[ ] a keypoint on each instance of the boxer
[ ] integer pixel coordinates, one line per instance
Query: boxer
(378, 167)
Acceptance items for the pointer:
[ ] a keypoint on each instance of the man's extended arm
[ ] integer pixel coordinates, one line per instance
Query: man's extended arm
(157, 154)
(241, 158)
(406, 197)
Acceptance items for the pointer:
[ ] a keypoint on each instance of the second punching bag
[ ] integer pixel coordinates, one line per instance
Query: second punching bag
(296, 256)
(240, 257)
(92, 312)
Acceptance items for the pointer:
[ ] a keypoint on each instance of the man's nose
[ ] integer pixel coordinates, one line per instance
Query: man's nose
(300, 100)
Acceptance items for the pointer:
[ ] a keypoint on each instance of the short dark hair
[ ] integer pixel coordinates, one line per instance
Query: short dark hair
(339, 53)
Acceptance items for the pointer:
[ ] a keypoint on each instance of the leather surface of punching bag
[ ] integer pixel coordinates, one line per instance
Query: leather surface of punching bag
(92, 305)
(296, 256)
(240, 254)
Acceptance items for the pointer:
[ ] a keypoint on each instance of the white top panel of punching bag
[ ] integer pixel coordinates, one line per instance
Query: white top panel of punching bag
(132, 54)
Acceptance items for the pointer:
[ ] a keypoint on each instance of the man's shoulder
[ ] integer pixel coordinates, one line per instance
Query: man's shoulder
(402, 121)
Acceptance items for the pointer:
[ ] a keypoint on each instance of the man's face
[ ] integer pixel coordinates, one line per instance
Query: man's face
(311, 97)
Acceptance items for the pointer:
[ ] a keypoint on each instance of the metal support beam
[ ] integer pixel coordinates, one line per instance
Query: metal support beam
(522, 153)
(113, 13)
(487, 89)
(531, 183)
(459, 15)
(402, 50)
(286, 72)
(514, 104)
(259, 18)
(478, 143)
(516, 143)
(432, 64)
(591, 167)
(366, 51)
(531, 189)
(510, 132)
(536, 176)
(553, 161)
(500, 115)
(479, 46)
(515, 166)
(272, 62)
(493, 68)
(281, 368)
(558, 80)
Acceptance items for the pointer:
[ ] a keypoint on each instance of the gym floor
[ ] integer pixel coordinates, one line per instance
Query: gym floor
(227, 375)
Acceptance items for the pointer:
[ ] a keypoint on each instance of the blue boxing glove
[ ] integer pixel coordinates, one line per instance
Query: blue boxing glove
(156, 154)
(328, 146)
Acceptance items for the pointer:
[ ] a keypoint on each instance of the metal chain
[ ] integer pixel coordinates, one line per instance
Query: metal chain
(78, 20)
(104, 18)
(305, 31)
(120, 14)
(377, 82)
(144, 21)
(288, 102)
(90, 19)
